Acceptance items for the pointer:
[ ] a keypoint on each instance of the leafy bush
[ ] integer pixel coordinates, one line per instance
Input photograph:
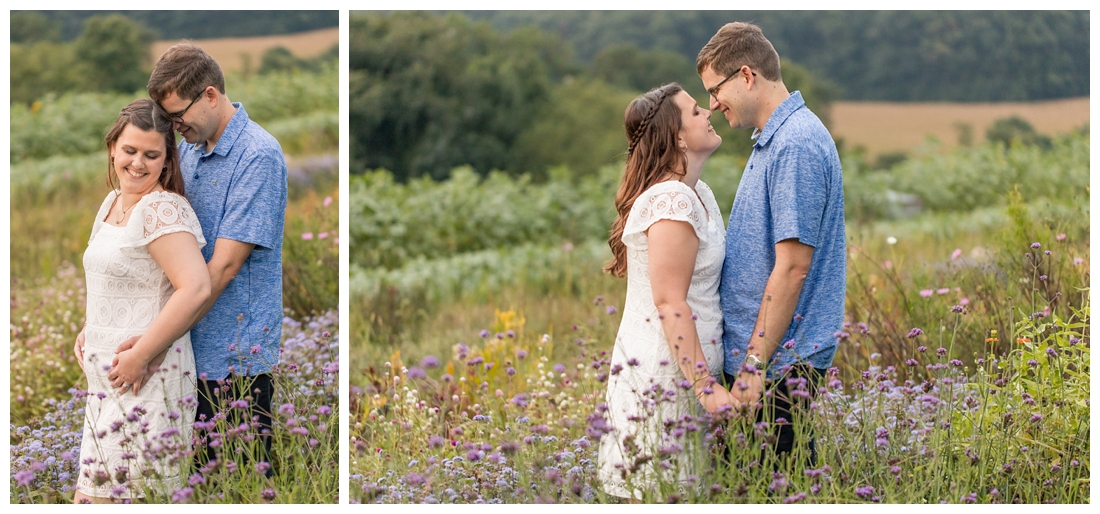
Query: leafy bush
(294, 103)
(393, 223)
(311, 253)
(967, 178)
(287, 94)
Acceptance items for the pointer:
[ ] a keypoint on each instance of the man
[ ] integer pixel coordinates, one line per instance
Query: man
(236, 180)
(783, 281)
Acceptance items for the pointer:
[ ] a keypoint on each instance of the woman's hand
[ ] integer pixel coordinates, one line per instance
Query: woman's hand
(129, 369)
(154, 364)
(749, 387)
(78, 348)
(717, 399)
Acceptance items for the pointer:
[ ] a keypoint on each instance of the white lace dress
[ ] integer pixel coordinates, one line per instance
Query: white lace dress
(651, 441)
(132, 444)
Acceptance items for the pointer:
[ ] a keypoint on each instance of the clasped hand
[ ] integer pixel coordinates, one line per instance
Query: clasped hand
(129, 370)
(748, 388)
(716, 399)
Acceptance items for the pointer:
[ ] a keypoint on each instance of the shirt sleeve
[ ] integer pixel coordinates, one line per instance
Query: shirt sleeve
(797, 192)
(158, 215)
(256, 201)
(670, 200)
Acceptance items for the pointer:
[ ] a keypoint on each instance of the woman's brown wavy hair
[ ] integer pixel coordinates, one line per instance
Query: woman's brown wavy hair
(652, 123)
(146, 115)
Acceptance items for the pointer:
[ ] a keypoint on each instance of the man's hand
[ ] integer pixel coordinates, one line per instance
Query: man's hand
(749, 388)
(153, 366)
(78, 348)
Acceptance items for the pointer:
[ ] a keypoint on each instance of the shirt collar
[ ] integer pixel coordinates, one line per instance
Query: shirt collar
(779, 115)
(232, 131)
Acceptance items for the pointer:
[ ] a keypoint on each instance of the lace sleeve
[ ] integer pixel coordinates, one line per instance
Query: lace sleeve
(163, 214)
(668, 200)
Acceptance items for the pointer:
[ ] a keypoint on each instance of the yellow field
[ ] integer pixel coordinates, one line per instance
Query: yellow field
(230, 52)
(892, 126)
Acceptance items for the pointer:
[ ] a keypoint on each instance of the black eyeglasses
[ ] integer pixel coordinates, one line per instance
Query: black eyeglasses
(714, 90)
(178, 116)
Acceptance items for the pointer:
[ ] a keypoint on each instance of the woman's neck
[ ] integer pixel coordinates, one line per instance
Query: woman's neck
(694, 169)
(131, 197)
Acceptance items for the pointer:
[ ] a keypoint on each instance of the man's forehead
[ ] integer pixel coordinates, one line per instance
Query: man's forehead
(170, 98)
(708, 70)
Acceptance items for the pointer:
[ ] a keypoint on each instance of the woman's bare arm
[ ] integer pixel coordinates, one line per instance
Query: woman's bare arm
(673, 246)
(178, 255)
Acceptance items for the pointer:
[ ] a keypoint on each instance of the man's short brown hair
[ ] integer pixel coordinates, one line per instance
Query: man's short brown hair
(739, 44)
(185, 70)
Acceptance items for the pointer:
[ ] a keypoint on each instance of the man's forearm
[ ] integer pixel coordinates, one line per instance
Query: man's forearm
(220, 277)
(229, 256)
(776, 311)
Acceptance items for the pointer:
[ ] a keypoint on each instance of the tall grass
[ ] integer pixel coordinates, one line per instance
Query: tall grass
(505, 420)
(46, 426)
(479, 359)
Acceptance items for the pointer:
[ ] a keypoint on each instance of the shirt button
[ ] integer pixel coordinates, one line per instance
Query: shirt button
(196, 176)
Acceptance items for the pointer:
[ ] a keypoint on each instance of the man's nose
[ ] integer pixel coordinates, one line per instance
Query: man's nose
(714, 105)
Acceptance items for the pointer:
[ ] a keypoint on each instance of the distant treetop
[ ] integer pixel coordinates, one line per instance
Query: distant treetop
(67, 25)
(961, 56)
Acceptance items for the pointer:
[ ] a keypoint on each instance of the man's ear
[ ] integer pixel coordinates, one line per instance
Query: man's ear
(750, 80)
(211, 93)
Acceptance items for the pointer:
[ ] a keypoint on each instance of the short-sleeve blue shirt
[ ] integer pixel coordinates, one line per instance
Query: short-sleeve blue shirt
(239, 192)
(791, 189)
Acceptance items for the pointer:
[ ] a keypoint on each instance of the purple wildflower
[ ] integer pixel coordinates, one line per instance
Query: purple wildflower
(24, 477)
(182, 495)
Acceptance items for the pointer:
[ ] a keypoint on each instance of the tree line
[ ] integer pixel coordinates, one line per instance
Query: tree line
(30, 26)
(430, 92)
(111, 54)
(964, 56)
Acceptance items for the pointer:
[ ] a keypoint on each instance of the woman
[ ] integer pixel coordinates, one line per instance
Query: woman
(145, 275)
(668, 240)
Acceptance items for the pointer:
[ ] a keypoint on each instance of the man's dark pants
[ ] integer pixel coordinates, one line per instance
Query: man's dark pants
(778, 405)
(216, 395)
